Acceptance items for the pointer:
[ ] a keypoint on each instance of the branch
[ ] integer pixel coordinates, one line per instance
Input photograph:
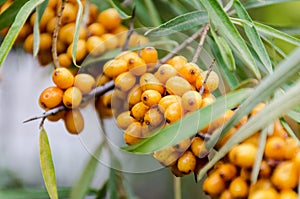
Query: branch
(94, 93)
(201, 91)
(130, 31)
(201, 43)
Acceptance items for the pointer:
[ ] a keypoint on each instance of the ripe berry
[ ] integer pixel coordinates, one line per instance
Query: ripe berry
(110, 41)
(134, 95)
(64, 60)
(81, 50)
(69, 13)
(264, 193)
(153, 117)
(96, 29)
(139, 110)
(63, 78)
(133, 133)
(285, 175)
(125, 81)
(177, 62)
(74, 122)
(115, 67)
(183, 145)
(212, 81)
(66, 33)
(166, 156)
(150, 97)
(274, 148)
(226, 195)
(191, 101)
(187, 162)
(227, 171)
(45, 41)
(124, 120)
(149, 82)
(198, 147)
(288, 194)
(28, 44)
(166, 101)
(214, 185)
(264, 170)
(291, 148)
(72, 97)
(243, 155)
(95, 45)
(173, 113)
(57, 116)
(190, 71)
(239, 188)
(178, 86)
(109, 18)
(165, 72)
(150, 56)
(51, 97)
(85, 82)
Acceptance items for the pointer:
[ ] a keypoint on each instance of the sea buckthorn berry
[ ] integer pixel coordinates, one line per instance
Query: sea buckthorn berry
(263, 194)
(187, 162)
(124, 120)
(125, 81)
(110, 41)
(109, 18)
(133, 133)
(243, 155)
(198, 147)
(134, 95)
(52, 3)
(296, 159)
(175, 171)
(95, 45)
(275, 147)
(64, 60)
(115, 67)
(137, 40)
(212, 81)
(207, 100)
(239, 188)
(45, 41)
(167, 100)
(264, 170)
(165, 72)
(191, 101)
(44, 57)
(81, 50)
(173, 113)
(285, 175)
(262, 183)
(51, 97)
(72, 97)
(279, 130)
(28, 44)
(149, 82)
(153, 117)
(227, 171)
(63, 78)
(245, 173)
(47, 16)
(85, 82)
(102, 79)
(57, 116)
(291, 148)
(288, 194)
(150, 97)
(226, 195)
(183, 145)
(167, 156)
(96, 29)
(214, 185)
(190, 71)
(150, 56)
(61, 47)
(199, 82)
(257, 109)
(178, 86)
(139, 110)
(51, 25)
(177, 62)
(74, 122)
(217, 123)
(69, 13)
(137, 66)
(24, 32)
(253, 139)
(66, 33)
(226, 137)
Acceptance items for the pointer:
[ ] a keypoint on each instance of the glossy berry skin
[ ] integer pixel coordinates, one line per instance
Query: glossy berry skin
(56, 116)
(74, 121)
(96, 29)
(291, 148)
(165, 72)
(115, 67)
(134, 95)
(288, 194)
(214, 185)
(109, 18)
(150, 97)
(198, 147)
(227, 171)
(191, 101)
(133, 133)
(63, 78)
(150, 56)
(190, 72)
(153, 117)
(72, 97)
(167, 100)
(264, 193)
(239, 188)
(125, 81)
(51, 97)
(212, 82)
(285, 175)
(275, 148)
(95, 45)
(173, 113)
(187, 162)
(149, 82)
(178, 86)
(85, 82)
(81, 50)
(64, 60)
(226, 195)
(139, 110)
(137, 65)
(124, 120)
(177, 62)
(243, 155)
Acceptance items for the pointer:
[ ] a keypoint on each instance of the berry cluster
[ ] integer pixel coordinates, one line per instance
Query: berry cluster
(279, 170)
(102, 31)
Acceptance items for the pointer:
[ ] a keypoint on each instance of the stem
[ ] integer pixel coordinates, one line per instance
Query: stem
(130, 31)
(201, 43)
(201, 91)
(177, 187)
(55, 35)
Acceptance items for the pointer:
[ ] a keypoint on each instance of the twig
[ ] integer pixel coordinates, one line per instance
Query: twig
(126, 3)
(130, 31)
(206, 77)
(201, 43)
(177, 187)
(179, 48)
(55, 35)
(95, 92)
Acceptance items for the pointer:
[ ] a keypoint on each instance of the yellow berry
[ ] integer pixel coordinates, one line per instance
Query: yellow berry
(150, 97)
(150, 56)
(214, 185)
(178, 86)
(115, 67)
(133, 133)
(165, 72)
(227, 171)
(149, 82)
(139, 110)
(212, 81)
(264, 193)
(190, 71)
(166, 101)
(274, 148)
(288, 194)
(125, 81)
(81, 50)
(85, 82)
(109, 18)
(96, 29)
(124, 120)
(191, 101)
(285, 175)
(173, 113)
(63, 78)
(95, 45)
(134, 95)
(187, 162)
(72, 97)
(239, 188)
(153, 117)
(198, 147)
(177, 62)
(74, 122)
(243, 155)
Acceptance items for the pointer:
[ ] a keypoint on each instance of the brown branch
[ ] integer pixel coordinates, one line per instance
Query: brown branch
(179, 48)
(201, 43)
(94, 93)
(55, 35)
(201, 91)
(130, 31)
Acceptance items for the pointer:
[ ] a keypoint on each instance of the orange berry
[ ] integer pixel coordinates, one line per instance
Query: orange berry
(81, 50)
(28, 44)
(165, 72)
(285, 175)
(149, 82)
(288, 194)
(226, 195)
(150, 56)
(72, 97)
(66, 33)
(125, 81)
(96, 29)
(74, 122)
(153, 117)
(178, 86)
(198, 147)
(183, 145)
(115, 67)
(110, 41)
(50, 97)
(177, 62)
(64, 60)
(190, 71)
(264, 193)
(124, 120)
(69, 13)
(95, 45)
(191, 101)
(51, 25)
(63, 78)
(243, 155)
(275, 148)
(212, 81)
(134, 95)
(291, 148)
(265, 169)
(45, 41)
(133, 133)
(109, 18)
(139, 110)
(187, 162)
(227, 171)
(173, 113)
(214, 185)
(150, 97)
(57, 116)
(85, 82)
(239, 188)
(167, 100)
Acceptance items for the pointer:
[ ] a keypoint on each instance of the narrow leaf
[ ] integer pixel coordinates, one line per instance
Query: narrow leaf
(294, 115)
(180, 23)
(112, 184)
(259, 3)
(16, 27)
(289, 129)
(178, 131)
(119, 8)
(153, 12)
(273, 110)
(224, 26)
(254, 37)
(47, 166)
(26, 193)
(81, 187)
(77, 28)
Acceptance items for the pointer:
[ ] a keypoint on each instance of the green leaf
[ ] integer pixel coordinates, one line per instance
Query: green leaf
(26, 193)
(294, 115)
(103, 191)
(254, 37)
(77, 28)
(225, 51)
(47, 166)
(16, 27)
(259, 3)
(119, 8)
(285, 70)
(178, 131)
(273, 110)
(8, 16)
(179, 23)
(36, 31)
(112, 184)
(153, 12)
(81, 187)
(289, 129)
(225, 28)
